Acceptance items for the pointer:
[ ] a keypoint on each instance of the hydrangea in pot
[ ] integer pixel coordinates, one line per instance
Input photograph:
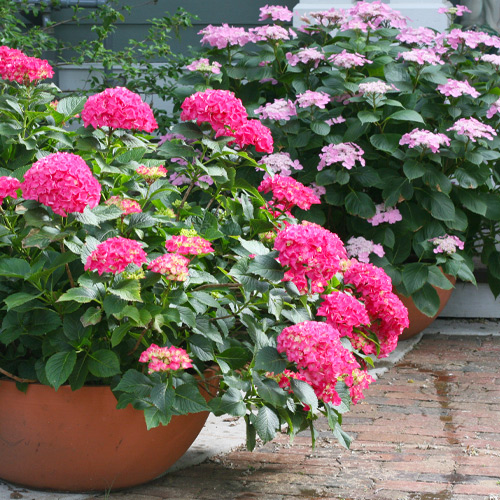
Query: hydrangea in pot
(110, 275)
(396, 126)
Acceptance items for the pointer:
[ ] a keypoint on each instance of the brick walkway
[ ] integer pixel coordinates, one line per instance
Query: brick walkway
(428, 430)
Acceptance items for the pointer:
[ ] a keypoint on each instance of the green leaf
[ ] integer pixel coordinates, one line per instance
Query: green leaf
(266, 423)
(162, 397)
(385, 142)
(135, 154)
(471, 200)
(320, 128)
(119, 333)
(413, 169)
(438, 279)
(70, 106)
(231, 403)
(269, 359)
(14, 268)
(189, 400)
(342, 437)
(369, 116)
(267, 267)
(92, 316)
(415, 276)
(270, 391)
(360, 204)
(127, 290)
(188, 130)
(17, 299)
(427, 300)
(104, 363)
(134, 382)
(305, 393)
(442, 208)
(235, 357)
(171, 150)
(407, 115)
(59, 368)
(80, 294)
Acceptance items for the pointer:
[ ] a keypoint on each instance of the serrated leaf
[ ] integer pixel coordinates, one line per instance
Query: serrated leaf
(270, 391)
(270, 360)
(134, 382)
(304, 393)
(266, 423)
(360, 204)
(189, 400)
(59, 367)
(14, 268)
(119, 333)
(79, 294)
(385, 142)
(427, 300)
(414, 276)
(267, 267)
(320, 128)
(127, 290)
(70, 106)
(17, 299)
(407, 115)
(104, 363)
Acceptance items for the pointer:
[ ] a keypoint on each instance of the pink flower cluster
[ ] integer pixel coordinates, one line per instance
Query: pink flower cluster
(203, 65)
(378, 87)
(8, 187)
(312, 98)
(18, 67)
(320, 358)
(227, 116)
(421, 56)
(114, 255)
(164, 359)
(151, 174)
(420, 36)
(331, 17)
(280, 109)
(346, 153)
(280, 163)
(224, 36)
(390, 215)
(276, 13)
(288, 193)
(268, 33)
(317, 190)
(458, 10)
(494, 109)
(118, 108)
(456, 88)
(335, 121)
(492, 59)
(447, 244)
(348, 60)
(388, 316)
(305, 56)
(310, 252)
(473, 129)
(361, 248)
(344, 312)
(471, 39)
(172, 265)
(373, 15)
(63, 182)
(424, 138)
(126, 205)
(188, 245)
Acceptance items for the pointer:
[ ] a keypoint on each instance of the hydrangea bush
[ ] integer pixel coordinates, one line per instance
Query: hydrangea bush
(111, 273)
(395, 128)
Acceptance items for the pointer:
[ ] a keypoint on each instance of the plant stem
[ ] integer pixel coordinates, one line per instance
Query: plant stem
(17, 379)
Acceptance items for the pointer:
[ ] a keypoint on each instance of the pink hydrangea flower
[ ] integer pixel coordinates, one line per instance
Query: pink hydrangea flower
(317, 190)
(253, 133)
(332, 17)
(344, 312)
(361, 248)
(305, 56)
(178, 179)
(458, 10)
(421, 56)
(310, 252)
(390, 215)
(494, 109)
(378, 87)
(114, 255)
(63, 182)
(18, 67)
(118, 108)
(8, 187)
(280, 163)
(224, 36)
(312, 98)
(424, 138)
(151, 174)
(367, 279)
(269, 33)
(346, 153)
(172, 265)
(188, 245)
(280, 109)
(163, 359)
(126, 205)
(335, 121)
(374, 15)
(473, 129)
(220, 108)
(492, 59)
(276, 13)
(471, 39)
(320, 358)
(447, 244)
(456, 88)
(420, 36)
(288, 193)
(203, 65)
(348, 60)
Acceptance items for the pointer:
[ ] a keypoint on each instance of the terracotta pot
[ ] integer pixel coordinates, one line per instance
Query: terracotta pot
(78, 441)
(418, 320)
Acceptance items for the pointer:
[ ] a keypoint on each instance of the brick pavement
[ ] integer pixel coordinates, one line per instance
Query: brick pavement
(429, 429)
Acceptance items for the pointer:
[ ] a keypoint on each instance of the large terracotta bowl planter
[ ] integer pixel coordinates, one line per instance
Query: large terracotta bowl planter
(418, 320)
(78, 441)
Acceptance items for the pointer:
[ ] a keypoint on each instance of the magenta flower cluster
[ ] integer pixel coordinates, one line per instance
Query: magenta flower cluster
(164, 359)
(16, 66)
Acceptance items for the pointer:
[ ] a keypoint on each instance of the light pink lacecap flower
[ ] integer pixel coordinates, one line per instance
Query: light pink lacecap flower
(63, 182)
(346, 153)
(276, 13)
(312, 98)
(390, 215)
(473, 129)
(424, 138)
